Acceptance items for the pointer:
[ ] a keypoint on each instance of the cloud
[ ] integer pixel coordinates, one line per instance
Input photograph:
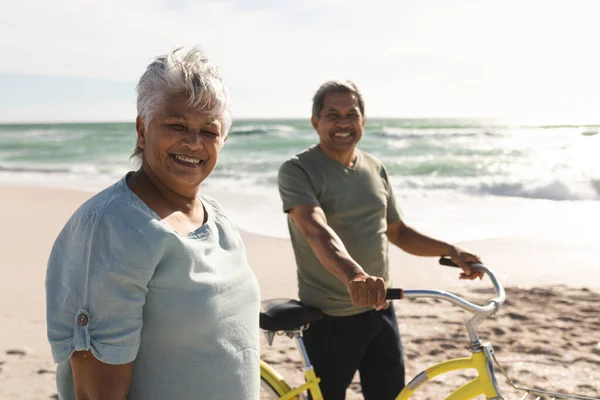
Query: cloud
(430, 58)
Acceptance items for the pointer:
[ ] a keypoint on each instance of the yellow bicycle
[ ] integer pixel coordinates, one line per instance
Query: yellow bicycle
(290, 317)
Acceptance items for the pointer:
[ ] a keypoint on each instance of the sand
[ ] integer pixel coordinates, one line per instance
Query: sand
(546, 335)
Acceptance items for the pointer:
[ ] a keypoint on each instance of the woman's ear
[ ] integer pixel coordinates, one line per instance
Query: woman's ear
(140, 127)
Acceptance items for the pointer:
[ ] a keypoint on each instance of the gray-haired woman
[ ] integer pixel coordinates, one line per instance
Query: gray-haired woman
(149, 294)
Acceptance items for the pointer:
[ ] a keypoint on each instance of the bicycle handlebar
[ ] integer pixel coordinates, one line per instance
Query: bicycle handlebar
(491, 306)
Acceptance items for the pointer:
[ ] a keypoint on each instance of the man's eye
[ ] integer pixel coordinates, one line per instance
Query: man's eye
(177, 127)
(209, 133)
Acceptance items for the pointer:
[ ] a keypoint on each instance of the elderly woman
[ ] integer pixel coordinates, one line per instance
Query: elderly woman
(149, 294)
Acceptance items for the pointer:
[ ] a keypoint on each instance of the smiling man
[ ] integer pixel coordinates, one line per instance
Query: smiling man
(342, 214)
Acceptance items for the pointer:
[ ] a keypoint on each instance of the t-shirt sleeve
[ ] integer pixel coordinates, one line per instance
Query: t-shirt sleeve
(294, 186)
(96, 285)
(394, 214)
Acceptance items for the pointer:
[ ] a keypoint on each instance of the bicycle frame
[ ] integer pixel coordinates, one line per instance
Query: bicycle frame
(484, 383)
(276, 380)
(480, 360)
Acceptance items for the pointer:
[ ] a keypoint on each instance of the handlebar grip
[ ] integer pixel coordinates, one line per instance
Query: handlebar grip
(394, 294)
(448, 262)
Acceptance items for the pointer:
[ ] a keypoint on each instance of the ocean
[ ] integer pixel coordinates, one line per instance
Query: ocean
(456, 171)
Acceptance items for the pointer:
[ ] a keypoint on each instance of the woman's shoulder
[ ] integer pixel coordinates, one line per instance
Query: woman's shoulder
(100, 224)
(106, 200)
(114, 205)
(99, 203)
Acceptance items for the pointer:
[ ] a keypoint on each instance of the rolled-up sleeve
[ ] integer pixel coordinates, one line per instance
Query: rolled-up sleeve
(294, 186)
(96, 284)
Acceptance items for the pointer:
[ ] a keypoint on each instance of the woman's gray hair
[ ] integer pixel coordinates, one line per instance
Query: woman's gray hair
(183, 70)
(336, 87)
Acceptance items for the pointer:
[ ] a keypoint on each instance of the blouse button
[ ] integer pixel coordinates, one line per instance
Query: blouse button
(82, 319)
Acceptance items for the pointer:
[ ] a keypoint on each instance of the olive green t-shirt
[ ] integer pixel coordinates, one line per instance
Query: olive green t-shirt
(359, 205)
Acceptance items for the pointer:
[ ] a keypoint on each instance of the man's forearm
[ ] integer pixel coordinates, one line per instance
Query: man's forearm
(332, 253)
(418, 244)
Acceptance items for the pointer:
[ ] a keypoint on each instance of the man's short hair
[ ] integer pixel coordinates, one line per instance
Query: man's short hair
(336, 87)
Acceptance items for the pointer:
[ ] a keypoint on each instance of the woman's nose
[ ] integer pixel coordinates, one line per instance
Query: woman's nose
(193, 140)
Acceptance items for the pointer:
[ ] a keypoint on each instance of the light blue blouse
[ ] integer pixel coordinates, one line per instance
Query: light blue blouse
(124, 285)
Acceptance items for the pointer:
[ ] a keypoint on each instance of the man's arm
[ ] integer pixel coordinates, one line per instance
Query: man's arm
(95, 380)
(365, 290)
(418, 244)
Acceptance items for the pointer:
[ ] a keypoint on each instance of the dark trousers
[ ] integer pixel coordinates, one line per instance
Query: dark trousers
(368, 342)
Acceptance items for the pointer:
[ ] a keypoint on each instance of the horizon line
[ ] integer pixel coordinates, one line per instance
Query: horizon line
(498, 120)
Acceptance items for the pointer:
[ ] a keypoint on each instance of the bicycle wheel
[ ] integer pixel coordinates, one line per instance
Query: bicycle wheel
(272, 385)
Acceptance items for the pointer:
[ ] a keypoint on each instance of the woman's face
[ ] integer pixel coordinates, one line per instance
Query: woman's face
(180, 144)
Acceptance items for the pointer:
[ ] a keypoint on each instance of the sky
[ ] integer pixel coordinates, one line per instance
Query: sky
(518, 60)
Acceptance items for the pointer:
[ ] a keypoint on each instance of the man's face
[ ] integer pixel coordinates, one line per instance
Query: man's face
(340, 123)
(181, 145)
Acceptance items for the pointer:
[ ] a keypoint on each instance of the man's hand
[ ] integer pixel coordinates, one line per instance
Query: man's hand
(463, 259)
(366, 290)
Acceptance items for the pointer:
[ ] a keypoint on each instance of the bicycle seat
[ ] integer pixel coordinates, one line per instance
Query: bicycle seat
(286, 315)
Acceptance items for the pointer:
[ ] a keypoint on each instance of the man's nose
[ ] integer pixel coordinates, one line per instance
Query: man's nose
(344, 120)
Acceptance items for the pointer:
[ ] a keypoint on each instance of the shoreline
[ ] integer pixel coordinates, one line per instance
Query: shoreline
(527, 262)
(450, 216)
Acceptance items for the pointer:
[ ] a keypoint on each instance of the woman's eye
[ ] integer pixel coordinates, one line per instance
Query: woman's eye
(177, 127)
(209, 133)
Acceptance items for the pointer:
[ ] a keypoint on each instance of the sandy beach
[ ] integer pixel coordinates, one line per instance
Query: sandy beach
(546, 336)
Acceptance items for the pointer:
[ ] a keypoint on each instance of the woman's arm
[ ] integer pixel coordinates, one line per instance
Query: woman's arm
(95, 380)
